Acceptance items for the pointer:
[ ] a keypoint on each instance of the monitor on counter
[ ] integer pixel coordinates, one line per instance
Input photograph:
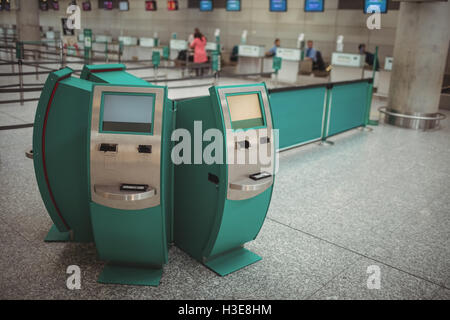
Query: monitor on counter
(278, 5)
(233, 5)
(314, 5)
(371, 6)
(131, 113)
(87, 6)
(124, 6)
(206, 5)
(245, 111)
(172, 5)
(150, 5)
(55, 4)
(108, 5)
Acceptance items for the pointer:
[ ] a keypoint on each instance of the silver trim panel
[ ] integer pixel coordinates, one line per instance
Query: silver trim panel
(126, 165)
(241, 172)
(251, 185)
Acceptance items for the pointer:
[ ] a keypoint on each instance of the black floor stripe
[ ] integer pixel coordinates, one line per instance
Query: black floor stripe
(17, 126)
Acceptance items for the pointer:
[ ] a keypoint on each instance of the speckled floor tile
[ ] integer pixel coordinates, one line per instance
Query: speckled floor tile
(442, 294)
(394, 284)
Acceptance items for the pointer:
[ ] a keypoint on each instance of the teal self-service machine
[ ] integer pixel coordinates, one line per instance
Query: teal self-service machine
(129, 181)
(101, 152)
(219, 206)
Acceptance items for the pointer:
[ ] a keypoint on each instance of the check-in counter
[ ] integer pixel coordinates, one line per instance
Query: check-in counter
(138, 50)
(346, 66)
(290, 64)
(384, 79)
(176, 46)
(211, 46)
(251, 59)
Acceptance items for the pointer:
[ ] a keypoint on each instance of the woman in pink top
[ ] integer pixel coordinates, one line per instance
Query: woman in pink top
(199, 45)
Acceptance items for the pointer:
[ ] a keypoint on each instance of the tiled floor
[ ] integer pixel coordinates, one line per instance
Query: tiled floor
(376, 198)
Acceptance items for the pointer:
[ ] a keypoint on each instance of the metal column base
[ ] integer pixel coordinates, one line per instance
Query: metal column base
(417, 121)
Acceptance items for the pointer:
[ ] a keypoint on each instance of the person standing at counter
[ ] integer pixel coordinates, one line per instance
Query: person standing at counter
(273, 51)
(200, 56)
(370, 57)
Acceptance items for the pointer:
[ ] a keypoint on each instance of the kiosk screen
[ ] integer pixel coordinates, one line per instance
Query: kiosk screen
(245, 111)
(127, 113)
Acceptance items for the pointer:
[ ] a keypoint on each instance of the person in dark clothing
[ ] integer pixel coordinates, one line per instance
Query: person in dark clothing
(370, 57)
(234, 57)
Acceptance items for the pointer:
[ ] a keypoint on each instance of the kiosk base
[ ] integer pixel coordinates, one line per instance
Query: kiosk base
(232, 261)
(54, 235)
(138, 276)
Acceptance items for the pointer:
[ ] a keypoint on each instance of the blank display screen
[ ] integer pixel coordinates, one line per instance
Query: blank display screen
(128, 113)
(245, 111)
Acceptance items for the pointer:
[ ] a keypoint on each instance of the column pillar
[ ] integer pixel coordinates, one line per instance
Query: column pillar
(27, 21)
(420, 52)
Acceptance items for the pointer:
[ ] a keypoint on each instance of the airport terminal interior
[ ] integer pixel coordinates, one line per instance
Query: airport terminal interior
(349, 100)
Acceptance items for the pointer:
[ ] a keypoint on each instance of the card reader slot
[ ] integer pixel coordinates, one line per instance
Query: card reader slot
(264, 140)
(134, 187)
(243, 144)
(145, 148)
(213, 178)
(115, 192)
(108, 147)
(260, 176)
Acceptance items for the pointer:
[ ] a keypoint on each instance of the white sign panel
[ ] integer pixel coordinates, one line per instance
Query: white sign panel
(128, 41)
(176, 44)
(251, 51)
(103, 38)
(388, 63)
(347, 60)
(289, 54)
(211, 46)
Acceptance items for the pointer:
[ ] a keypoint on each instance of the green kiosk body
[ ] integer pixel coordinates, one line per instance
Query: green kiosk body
(221, 205)
(113, 130)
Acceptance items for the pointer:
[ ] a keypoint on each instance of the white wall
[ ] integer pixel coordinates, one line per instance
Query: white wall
(263, 26)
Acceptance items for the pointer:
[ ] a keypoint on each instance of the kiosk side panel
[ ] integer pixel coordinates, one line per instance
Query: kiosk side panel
(45, 102)
(167, 176)
(200, 189)
(65, 152)
(59, 148)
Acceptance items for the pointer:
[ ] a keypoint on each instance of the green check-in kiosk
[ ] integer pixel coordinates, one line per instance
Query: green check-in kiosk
(102, 161)
(219, 206)
(130, 180)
